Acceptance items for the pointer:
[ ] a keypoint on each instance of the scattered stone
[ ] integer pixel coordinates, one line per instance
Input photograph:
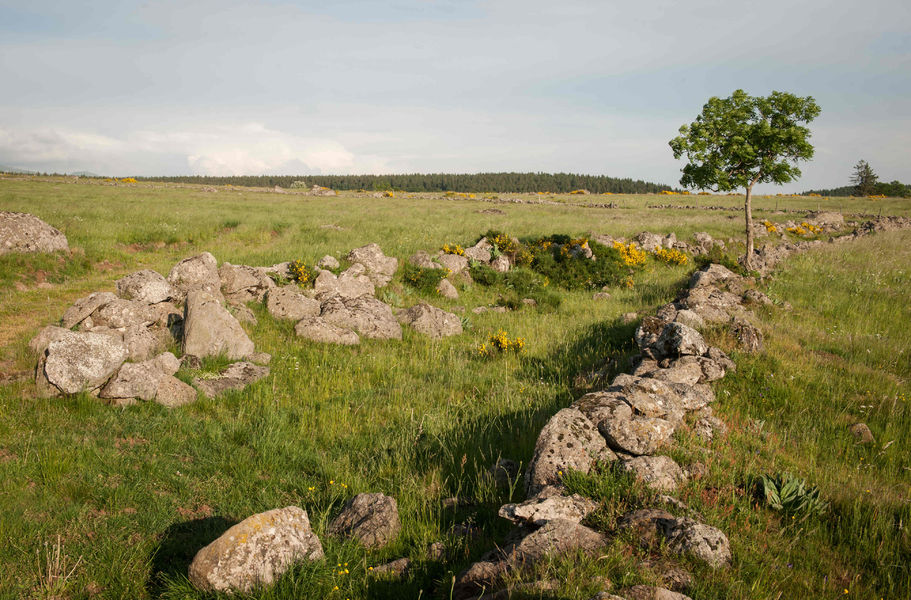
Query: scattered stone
(352, 283)
(538, 511)
(372, 519)
(436, 551)
(395, 569)
(145, 286)
(328, 262)
(173, 392)
(677, 339)
(423, 259)
(198, 272)
(236, 376)
(712, 274)
(432, 321)
(256, 551)
(316, 329)
(568, 441)
(630, 317)
(660, 473)
(862, 433)
(22, 232)
(708, 426)
(500, 264)
(600, 296)
(261, 358)
(480, 577)
(210, 330)
(753, 296)
(288, 303)
(697, 540)
(83, 361)
(366, 315)
(380, 268)
(453, 262)
(529, 302)
(555, 538)
(447, 290)
(648, 526)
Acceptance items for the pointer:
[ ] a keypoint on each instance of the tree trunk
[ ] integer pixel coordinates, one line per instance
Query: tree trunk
(748, 209)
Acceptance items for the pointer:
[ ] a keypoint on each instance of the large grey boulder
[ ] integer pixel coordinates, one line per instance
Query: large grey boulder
(82, 361)
(210, 330)
(241, 284)
(352, 283)
(432, 321)
(256, 551)
(480, 252)
(22, 232)
(677, 339)
(380, 268)
(366, 315)
(623, 428)
(289, 303)
(83, 307)
(568, 441)
(173, 392)
(198, 272)
(121, 314)
(134, 380)
(236, 376)
(316, 329)
(555, 539)
(454, 263)
(660, 473)
(372, 519)
(539, 510)
(147, 286)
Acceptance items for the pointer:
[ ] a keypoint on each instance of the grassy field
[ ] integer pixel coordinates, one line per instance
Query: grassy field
(127, 496)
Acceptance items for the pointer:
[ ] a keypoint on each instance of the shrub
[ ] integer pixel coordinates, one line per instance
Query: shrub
(301, 273)
(717, 255)
(422, 279)
(483, 274)
(670, 257)
(499, 343)
(791, 496)
(577, 272)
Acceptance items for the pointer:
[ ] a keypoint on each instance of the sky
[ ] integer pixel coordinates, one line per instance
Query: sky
(234, 87)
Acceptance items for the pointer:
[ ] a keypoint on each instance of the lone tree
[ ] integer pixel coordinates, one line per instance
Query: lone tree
(864, 179)
(740, 141)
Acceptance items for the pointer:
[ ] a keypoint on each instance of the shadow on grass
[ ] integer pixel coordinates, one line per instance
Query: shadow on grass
(179, 544)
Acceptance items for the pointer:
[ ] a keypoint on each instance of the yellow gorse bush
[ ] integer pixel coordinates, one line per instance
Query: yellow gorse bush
(300, 272)
(770, 227)
(499, 342)
(453, 249)
(128, 180)
(670, 257)
(630, 254)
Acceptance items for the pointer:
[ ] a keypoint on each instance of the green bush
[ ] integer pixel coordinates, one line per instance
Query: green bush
(791, 496)
(425, 280)
(483, 274)
(577, 272)
(717, 255)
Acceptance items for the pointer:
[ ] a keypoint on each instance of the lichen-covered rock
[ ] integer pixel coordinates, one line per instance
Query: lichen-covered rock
(659, 473)
(689, 318)
(380, 268)
(698, 540)
(328, 262)
(120, 314)
(288, 303)
(236, 376)
(432, 321)
(143, 343)
(316, 329)
(568, 441)
(22, 232)
(352, 283)
(83, 307)
(480, 251)
(241, 284)
(539, 510)
(481, 576)
(147, 286)
(424, 260)
(256, 551)
(677, 339)
(712, 274)
(749, 337)
(453, 262)
(623, 428)
(198, 272)
(372, 519)
(134, 380)
(447, 290)
(500, 264)
(82, 361)
(556, 538)
(173, 392)
(210, 330)
(649, 592)
(38, 344)
(366, 315)
(648, 526)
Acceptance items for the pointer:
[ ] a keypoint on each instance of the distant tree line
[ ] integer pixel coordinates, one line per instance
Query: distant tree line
(439, 182)
(865, 182)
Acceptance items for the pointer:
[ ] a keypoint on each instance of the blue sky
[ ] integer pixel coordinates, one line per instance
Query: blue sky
(350, 86)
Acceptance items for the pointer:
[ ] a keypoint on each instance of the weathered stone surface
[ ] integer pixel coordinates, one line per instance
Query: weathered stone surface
(22, 232)
(862, 433)
(539, 510)
(146, 286)
(134, 380)
(749, 337)
(752, 296)
(697, 540)
(210, 330)
(677, 339)
(648, 397)
(649, 592)
(241, 284)
(480, 251)
(235, 377)
(424, 260)
(380, 268)
(629, 317)
(712, 274)
(82, 361)
(372, 519)
(83, 307)
(708, 426)
(500, 264)
(243, 313)
(143, 343)
(648, 332)
(556, 538)
(649, 241)
(120, 314)
(712, 304)
(622, 427)
(568, 441)
(689, 318)
(671, 575)
(256, 551)
(366, 315)
(198, 272)
(481, 576)
(828, 221)
(288, 303)
(648, 526)
(453, 262)
(432, 321)
(352, 283)
(394, 569)
(328, 262)
(505, 472)
(316, 329)
(447, 290)
(173, 392)
(38, 344)
(659, 473)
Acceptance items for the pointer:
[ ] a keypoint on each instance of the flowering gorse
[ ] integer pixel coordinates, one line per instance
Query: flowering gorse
(631, 255)
(499, 342)
(670, 256)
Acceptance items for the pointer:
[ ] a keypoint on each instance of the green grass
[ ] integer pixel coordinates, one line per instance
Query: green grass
(134, 492)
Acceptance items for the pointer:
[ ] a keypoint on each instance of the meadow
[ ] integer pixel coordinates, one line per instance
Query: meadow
(105, 502)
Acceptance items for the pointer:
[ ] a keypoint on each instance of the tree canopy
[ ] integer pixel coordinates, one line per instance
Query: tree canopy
(864, 179)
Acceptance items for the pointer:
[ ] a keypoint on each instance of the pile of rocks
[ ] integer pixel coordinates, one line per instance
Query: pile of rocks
(702, 242)
(22, 232)
(114, 345)
(457, 265)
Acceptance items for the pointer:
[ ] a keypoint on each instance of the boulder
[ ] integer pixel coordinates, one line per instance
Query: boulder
(134, 380)
(424, 260)
(623, 428)
(288, 303)
(210, 330)
(380, 268)
(479, 578)
(394, 569)
(689, 318)
(712, 274)
(121, 314)
(328, 262)
(316, 329)
(648, 331)
(753, 296)
(862, 433)
(366, 315)
(555, 539)
(539, 510)
(350, 284)
(173, 392)
(236, 376)
(647, 526)
(447, 290)
(147, 286)
(677, 339)
(708, 426)
(480, 252)
(500, 264)
(372, 519)
(671, 575)
(712, 304)
(659, 473)
(83, 307)
(568, 441)
(649, 397)
(198, 272)
(241, 284)
(749, 337)
(256, 551)
(828, 221)
(143, 343)
(453, 262)
(688, 537)
(82, 361)
(38, 344)
(22, 232)
(649, 241)
(432, 321)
